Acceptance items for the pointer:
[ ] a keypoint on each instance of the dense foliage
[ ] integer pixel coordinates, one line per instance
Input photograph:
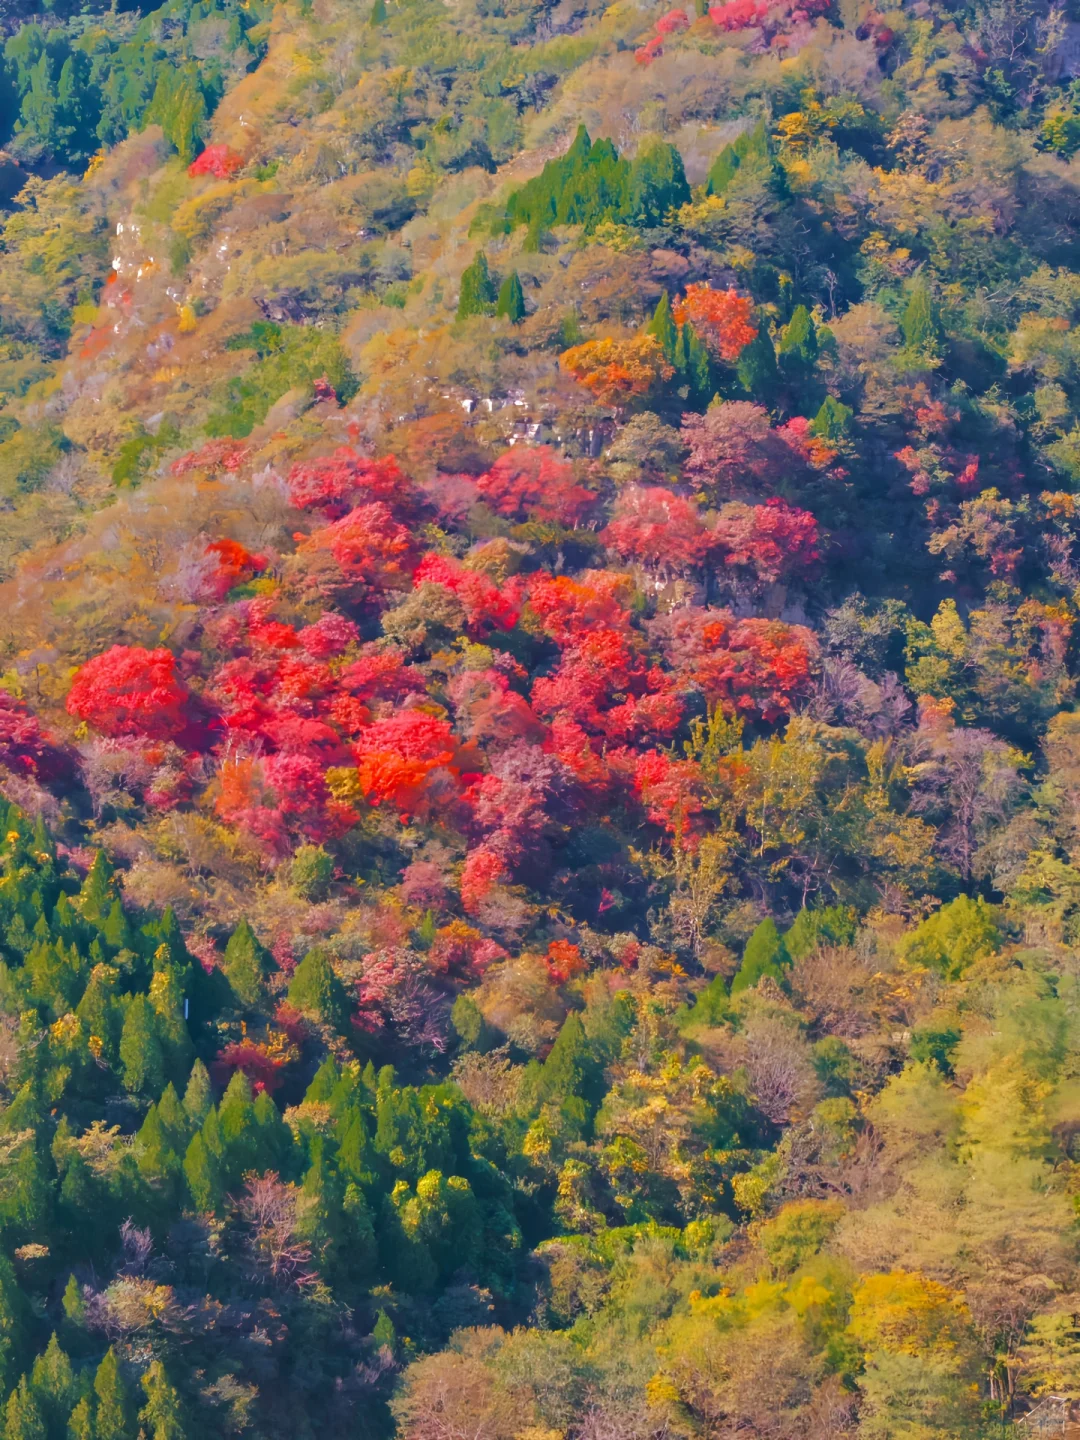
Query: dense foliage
(539, 870)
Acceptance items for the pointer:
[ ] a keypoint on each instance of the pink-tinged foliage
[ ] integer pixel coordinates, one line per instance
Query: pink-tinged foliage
(25, 748)
(535, 484)
(227, 455)
(331, 635)
(773, 541)
(658, 529)
(483, 870)
(128, 690)
(335, 483)
(735, 449)
(489, 711)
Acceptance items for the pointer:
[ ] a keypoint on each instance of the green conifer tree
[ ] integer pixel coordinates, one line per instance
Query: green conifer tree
(384, 1334)
(511, 301)
(756, 367)
(657, 184)
(198, 1097)
(247, 963)
(55, 1387)
(798, 349)
(141, 1052)
(378, 12)
(114, 1419)
(316, 991)
(162, 1416)
(98, 893)
(23, 1419)
(832, 420)
(80, 1424)
(202, 1170)
(116, 929)
(663, 328)
(919, 322)
(765, 955)
(478, 292)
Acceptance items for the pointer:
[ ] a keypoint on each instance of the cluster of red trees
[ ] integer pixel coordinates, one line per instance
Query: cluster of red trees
(290, 730)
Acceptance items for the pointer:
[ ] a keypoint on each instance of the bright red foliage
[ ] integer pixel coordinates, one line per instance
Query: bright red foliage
(128, 690)
(235, 564)
(668, 789)
(218, 160)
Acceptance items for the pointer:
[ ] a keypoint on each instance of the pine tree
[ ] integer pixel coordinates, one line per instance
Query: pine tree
(162, 1415)
(378, 13)
(756, 366)
(23, 1420)
(247, 963)
(765, 954)
(657, 184)
(239, 1138)
(798, 348)
(14, 1318)
(274, 1140)
(175, 1122)
(384, 1334)
(198, 1097)
(832, 420)
(156, 1157)
(202, 1171)
(167, 1000)
(114, 1419)
(919, 323)
(55, 1388)
(80, 1425)
(98, 893)
(141, 1052)
(116, 929)
(316, 991)
(355, 1157)
(478, 291)
(571, 1071)
(663, 328)
(74, 1305)
(100, 1011)
(511, 301)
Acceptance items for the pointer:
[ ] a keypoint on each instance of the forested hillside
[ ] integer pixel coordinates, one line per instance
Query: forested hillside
(539, 769)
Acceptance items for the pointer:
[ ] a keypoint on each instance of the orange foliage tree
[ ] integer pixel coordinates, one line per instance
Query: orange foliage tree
(720, 317)
(618, 371)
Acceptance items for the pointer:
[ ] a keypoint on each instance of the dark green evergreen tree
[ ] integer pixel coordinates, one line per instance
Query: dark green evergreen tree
(141, 1052)
(247, 963)
(478, 292)
(511, 301)
(316, 991)
(657, 184)
(114, 1418)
